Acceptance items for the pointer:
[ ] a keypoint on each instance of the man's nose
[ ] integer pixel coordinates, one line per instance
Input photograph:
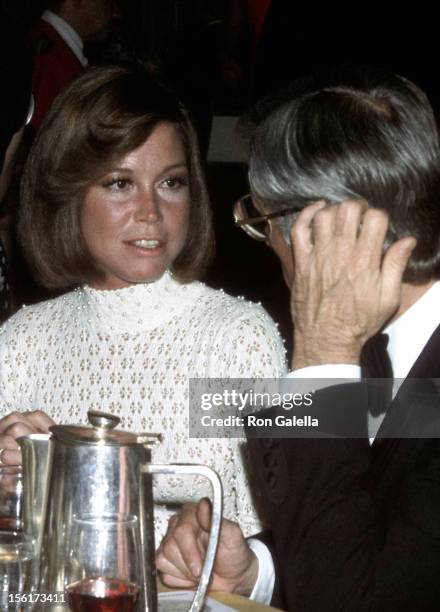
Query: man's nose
(148, 208)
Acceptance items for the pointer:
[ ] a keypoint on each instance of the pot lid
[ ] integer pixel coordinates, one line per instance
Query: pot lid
(102, 431)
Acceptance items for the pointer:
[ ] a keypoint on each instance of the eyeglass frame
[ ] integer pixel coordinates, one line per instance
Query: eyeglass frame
(246, 223)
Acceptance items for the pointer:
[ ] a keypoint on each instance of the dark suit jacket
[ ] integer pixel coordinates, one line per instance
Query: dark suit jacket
(357, 528)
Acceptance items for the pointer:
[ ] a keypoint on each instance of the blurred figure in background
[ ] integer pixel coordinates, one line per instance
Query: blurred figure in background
(15, 73)
(57, 42)
(244, 26)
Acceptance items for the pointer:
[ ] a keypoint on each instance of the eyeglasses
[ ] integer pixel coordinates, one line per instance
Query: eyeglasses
(249, 218)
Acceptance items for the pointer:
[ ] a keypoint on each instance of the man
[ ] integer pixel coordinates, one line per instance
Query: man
(353, 526)
(57, 41)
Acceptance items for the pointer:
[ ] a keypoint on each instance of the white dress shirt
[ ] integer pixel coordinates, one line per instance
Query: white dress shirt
(67, 33)
(408, 335)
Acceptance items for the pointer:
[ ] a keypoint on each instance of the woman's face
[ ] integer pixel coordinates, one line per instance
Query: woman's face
(134, 219)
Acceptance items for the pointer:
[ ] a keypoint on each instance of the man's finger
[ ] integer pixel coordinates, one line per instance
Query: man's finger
(181, 544)
(301, 232)
(348, 220)
(204, 514)
(173, 582)
(324, 223)
(372, 236)
(169, 561)
(394, 265)
(191, 548)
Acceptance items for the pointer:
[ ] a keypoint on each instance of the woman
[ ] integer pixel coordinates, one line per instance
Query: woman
(114, 204)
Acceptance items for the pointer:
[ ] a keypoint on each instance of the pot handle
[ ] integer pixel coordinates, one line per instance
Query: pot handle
(200, 470)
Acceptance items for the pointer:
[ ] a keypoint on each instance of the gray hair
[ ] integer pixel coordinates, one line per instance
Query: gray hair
(360, 134)
(274, 173)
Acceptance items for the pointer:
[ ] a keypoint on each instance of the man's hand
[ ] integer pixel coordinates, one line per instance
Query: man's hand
(344, 289)
(180, 556)
(15, 425)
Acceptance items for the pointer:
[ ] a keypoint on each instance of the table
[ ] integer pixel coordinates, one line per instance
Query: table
(242, 604)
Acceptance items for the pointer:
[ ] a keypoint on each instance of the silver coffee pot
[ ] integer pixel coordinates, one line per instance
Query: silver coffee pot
(99, 471)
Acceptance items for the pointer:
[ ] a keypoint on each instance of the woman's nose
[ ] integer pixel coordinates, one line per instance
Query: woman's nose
(148, 208)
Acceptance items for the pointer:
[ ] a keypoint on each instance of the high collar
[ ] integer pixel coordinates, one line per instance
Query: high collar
(137, 308)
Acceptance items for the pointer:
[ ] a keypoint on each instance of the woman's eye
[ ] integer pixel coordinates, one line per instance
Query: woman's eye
(117, 184)
(121, 183)
(175, 182)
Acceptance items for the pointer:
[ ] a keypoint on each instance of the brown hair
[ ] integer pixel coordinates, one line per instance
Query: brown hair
(103, 115)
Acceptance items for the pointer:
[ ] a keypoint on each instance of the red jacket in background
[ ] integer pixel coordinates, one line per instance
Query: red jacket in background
(54, 66)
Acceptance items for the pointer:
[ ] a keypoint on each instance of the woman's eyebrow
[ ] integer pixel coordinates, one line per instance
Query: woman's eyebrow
(165, 169)
(174, 166)
(120, 169)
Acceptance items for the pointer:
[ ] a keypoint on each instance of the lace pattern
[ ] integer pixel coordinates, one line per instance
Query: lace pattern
(131, 352)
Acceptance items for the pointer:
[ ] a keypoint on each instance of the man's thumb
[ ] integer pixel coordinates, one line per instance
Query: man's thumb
(204, 513)
(395, 262)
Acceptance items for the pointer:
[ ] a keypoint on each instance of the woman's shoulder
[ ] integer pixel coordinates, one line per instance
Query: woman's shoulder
(235, 318)
(244, 339)
(226, 306)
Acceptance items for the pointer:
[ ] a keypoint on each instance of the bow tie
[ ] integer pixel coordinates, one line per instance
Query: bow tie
(376, 363)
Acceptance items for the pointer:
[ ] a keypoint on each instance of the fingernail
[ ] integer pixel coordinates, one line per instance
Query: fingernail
(195, 569)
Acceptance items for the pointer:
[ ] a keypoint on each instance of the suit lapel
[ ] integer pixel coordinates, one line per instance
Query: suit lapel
(427, 366)
(428, 363)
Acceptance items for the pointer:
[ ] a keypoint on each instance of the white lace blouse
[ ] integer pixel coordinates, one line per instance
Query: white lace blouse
(131, 352)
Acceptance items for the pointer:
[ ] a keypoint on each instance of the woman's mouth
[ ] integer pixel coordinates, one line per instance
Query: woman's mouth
(147, 245)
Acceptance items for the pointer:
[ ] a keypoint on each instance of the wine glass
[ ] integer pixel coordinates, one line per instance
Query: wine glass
(18, 569)
(11, 497)
(104, 564)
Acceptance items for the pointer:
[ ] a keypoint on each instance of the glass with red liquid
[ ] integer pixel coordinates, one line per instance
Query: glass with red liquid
(11, 497)
(104, 556)
(103, 595)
